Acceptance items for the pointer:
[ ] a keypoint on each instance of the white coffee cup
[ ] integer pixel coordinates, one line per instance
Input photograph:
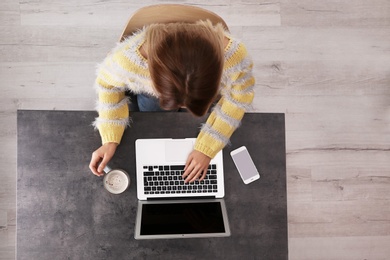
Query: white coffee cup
(115, 181)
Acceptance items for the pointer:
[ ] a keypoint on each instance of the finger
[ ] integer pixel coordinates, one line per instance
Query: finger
(92, 165)
(189, 168)
(192, 174)
(189, 177)
(203, 175)
(188, 162)
(93, 170)
(103, 164)
(195, 177)
(200, 175)
(195, 174)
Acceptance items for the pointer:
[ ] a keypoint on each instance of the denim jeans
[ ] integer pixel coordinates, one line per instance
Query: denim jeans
(146, 103)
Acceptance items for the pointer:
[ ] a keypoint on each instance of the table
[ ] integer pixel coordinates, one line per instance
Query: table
(63, 211)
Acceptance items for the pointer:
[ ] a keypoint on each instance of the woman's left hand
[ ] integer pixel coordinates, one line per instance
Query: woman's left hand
(196, 166)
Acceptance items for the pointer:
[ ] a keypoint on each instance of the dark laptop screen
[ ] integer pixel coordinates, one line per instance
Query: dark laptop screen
(182, 218)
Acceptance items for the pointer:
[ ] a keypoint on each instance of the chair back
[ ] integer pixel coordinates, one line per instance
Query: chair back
(168, 13)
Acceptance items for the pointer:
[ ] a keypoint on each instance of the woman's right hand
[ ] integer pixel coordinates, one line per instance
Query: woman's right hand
(101, 157)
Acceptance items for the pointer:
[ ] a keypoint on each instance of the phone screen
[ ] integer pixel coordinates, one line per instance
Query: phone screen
(245, 164)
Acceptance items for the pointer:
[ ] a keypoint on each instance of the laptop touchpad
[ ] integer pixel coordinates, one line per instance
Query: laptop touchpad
(178, 150)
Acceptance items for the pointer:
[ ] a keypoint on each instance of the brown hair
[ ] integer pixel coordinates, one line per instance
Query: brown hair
(185, 64)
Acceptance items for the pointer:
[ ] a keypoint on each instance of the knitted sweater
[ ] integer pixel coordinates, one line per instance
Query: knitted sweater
(126, 69)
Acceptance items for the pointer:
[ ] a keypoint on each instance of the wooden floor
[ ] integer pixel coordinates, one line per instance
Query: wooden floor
(325, 64)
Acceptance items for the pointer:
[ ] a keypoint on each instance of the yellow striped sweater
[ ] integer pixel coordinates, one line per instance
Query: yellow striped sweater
(126, 69)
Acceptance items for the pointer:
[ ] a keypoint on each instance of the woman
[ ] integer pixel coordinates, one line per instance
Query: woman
(173, 66)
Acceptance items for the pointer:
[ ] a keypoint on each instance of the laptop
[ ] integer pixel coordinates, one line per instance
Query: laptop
(170, 208)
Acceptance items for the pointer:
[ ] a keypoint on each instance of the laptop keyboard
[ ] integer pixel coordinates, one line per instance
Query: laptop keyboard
(167, 179)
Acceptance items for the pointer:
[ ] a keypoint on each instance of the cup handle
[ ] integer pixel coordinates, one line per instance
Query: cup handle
(107, 169)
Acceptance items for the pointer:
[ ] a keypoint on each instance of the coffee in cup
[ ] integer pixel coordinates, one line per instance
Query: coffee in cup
(116, 181)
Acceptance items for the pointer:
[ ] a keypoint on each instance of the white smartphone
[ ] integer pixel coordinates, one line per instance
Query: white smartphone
(245, 165)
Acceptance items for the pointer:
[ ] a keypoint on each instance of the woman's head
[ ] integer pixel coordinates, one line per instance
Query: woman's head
(185, 63)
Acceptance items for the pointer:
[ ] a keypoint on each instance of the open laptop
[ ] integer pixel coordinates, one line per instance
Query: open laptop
(170, 208)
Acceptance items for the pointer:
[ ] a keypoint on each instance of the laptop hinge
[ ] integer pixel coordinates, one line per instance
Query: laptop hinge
(183, 198)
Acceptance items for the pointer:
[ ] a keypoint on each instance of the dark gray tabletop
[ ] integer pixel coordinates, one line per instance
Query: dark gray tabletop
(63, 211)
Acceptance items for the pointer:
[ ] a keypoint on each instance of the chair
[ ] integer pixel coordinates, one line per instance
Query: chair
(169, 13)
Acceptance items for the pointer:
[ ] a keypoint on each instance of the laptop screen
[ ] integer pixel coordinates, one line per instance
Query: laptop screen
(182, 219)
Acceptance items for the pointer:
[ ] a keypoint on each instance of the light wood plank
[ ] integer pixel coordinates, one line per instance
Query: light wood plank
(102, 14)
(9, 13)
(8, 162)
(53, 44)
(373, 187)
(322, 77)
(335, 44)
(336, 248)
(49, 80)
(299, 185)
(3, 219)
(339, 218)
(7, 244)
(336, 13)
(331, 159)
(87, 104)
